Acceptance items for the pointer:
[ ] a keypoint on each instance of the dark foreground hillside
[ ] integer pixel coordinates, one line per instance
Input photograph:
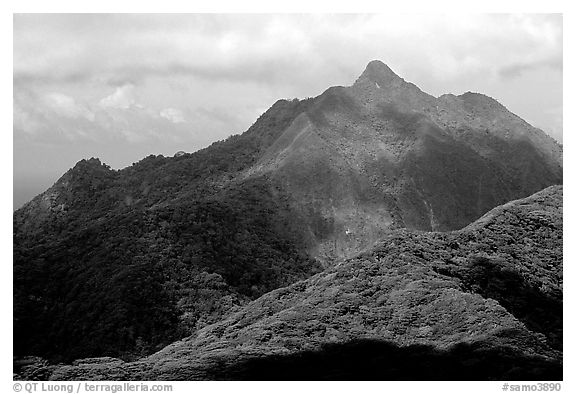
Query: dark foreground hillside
(484, 302)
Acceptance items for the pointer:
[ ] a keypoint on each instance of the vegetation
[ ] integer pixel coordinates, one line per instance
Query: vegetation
(482, 303)
(121, 263)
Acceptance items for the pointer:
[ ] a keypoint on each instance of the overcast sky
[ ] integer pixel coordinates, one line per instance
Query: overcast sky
(120, 87)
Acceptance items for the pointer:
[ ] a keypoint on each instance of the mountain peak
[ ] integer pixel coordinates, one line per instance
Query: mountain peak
(481, 100)
(91, 162)
(86, 171)
(92, 165)
(379, 84)
(379, 72)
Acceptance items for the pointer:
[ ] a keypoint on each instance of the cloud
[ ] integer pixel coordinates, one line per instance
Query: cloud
(67, 106)
(58, 118)
(173, 115)
(516, 69)
(122, 98)
(25, 122)
(51, 117)
(273, 49)
(123, 75)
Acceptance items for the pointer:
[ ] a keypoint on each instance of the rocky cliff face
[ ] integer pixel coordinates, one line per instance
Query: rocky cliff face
(484, 302)
(311, 183)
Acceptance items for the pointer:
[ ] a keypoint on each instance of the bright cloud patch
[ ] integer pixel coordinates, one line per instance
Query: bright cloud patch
(59, 118)
(67, 106)
(173, 115)
(122, 98)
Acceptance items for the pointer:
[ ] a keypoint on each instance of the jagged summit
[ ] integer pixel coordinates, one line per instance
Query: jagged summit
(378, 84)
(381, 83)
(378, 75)
(93, 163)
(378, 71)
(85, 170)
